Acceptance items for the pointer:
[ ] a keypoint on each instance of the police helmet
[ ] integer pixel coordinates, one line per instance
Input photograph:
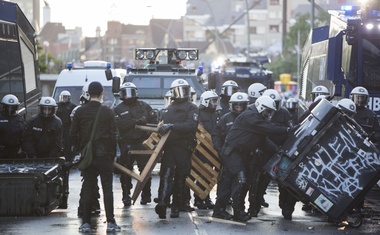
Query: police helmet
(347, 106)
(229, 88)
(272, 93)
(255, 90)
(360, 96)
(209, 99)
(318, 98)
(266, 106)
(319, 90)
(65, 96)
(239, 102)
(291, 104)
(128, 91)
(85, 96)
(10, 104)
(180, 89)
(47, 106)
(168, 98)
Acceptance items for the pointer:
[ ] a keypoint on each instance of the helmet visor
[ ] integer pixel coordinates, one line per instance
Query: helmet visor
(180, 92)
(268, 114)
(64, 98)
(128, 93)
(9, 109)
(238, 107)
(47, 111)
(359, 99)
(229, 90)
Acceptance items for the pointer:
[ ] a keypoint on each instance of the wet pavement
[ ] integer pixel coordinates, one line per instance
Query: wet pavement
(141, 219)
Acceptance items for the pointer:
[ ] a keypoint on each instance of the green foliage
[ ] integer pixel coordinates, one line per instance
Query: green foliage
(287, 62)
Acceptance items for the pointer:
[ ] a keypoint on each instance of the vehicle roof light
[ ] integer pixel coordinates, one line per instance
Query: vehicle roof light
(139, 55)
(69, 65)
(150, 55)
(182, 55)
(350, 10)
(369, 26)
(109, 65)
(193, 55)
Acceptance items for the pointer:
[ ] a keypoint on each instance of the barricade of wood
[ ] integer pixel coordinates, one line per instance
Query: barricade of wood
(206, 165)
(205, 162)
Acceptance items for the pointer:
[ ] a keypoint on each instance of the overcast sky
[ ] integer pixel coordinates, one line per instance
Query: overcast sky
(89, 14)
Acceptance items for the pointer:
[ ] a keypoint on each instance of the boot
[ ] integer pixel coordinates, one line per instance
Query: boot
(174, 212)
(239, 214)
(126, 186)
(199, 203)
(166, 182)
(208, 202)
(146, 195)
(221, 213)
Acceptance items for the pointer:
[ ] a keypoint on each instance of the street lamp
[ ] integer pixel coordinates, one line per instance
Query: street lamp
(248, 27)
(46, 46)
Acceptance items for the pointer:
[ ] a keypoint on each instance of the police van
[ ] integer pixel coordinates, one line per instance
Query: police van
(73, 79)
(165, 65)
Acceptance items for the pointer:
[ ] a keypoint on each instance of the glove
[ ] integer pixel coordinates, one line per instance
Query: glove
(293, 128)
(142, 121)
(76, 159)
(165, 129)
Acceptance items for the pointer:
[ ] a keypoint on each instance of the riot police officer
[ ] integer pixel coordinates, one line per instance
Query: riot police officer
(365, 117)
(228, 89)
(12, 126)
(43, 135)
(64, 109)
(291, 105)
(255, 90)
(129, 113)
(249, 131)
(347, 106)
(208, 119)
(181, 118)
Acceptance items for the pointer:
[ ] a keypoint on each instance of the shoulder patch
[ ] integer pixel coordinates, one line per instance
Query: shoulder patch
(195, 117)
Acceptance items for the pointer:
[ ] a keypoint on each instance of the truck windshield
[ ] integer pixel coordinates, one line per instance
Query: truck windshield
(76, 92)
(371, 63)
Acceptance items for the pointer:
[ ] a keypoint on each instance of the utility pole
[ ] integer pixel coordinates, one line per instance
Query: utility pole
(284, 21)
(312, 14)
(248, 31)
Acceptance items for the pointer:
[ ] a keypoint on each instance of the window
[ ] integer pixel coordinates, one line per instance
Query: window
(274, 28)
(274, 2)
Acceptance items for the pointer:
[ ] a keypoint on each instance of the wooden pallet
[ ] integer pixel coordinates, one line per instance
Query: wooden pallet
(206, 165)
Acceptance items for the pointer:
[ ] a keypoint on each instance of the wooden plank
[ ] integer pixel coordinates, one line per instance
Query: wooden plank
(125, 170)
(219, 220)
(147, 171)
(142, 152)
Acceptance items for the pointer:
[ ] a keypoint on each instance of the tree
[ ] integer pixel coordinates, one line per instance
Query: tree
(287, 61)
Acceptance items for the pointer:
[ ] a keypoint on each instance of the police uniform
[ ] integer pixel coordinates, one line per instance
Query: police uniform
(176, 161)
(11, 129)
(367, 119)
(208, 119)
(64, 110)
(249, 131)
(224, 105)
(43, 137)
(127, 116)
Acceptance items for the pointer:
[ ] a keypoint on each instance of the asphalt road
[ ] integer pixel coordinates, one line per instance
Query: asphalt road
(141, 219)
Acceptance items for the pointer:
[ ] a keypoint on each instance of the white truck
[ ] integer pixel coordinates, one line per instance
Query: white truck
(73, 79)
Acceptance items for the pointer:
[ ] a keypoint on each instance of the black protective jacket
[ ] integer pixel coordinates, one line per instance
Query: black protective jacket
(207, 117)
(105, 134)
(128, 115)
(63, 112)
(250, 131)
(184, 116)
(221, 130)
(367, 119)
(11, 129)
(43, 137)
